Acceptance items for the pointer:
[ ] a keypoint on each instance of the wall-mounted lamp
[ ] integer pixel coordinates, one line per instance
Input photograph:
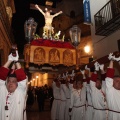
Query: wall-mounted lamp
(87, 49)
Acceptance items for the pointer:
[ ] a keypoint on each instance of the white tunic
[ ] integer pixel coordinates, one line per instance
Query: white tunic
(15, 102)
(78, 100)
(67, 94)
(72, 89)
(62, 103)
(113, 97)
(89, 111)
(56, 102)
(99, 102)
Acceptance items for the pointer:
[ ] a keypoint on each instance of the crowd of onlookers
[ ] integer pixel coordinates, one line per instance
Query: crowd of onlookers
(39, 95)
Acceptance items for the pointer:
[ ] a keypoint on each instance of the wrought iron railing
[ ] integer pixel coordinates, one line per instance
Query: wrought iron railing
(107, 13)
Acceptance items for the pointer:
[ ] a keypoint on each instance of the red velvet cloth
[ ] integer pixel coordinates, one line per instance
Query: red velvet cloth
(88, 80)
(110, 72)
(20, 74)
(103, 76)
(52, 43)
(3, 73)
(94, 77)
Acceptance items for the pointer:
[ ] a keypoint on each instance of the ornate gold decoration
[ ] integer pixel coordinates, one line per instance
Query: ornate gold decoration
(39, 55)
(27, 54)
(54, 56)
(50, 55)
(57, 35)
(9, 12)
(67, 57)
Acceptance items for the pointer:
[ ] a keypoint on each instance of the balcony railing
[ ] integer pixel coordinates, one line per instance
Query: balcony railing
(107, 19)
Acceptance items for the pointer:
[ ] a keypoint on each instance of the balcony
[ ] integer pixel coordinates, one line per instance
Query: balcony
(107, 19)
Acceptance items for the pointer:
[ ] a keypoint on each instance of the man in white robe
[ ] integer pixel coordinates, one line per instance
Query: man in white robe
(78, 99)
(72, 86)
(89, 105)
(62, 101)
(12, 91)
(98, 97)
(113, 93)
(56, 101)
(67, 94)
(66, 90)
(72, 82)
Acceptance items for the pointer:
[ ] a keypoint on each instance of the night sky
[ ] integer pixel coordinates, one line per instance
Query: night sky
(23, 12)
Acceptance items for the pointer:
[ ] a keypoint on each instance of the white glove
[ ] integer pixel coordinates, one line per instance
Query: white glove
(66, 74)
(82, 71)
(10, 57)
(101, 67)
(16, 57)
(73, 74)
(96, 66)
(111, 57)
(63, 76)
(59, 76)
(86, 68)
(117, 59)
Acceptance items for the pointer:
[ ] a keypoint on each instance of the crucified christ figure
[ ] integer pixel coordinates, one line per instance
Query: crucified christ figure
(48, 29)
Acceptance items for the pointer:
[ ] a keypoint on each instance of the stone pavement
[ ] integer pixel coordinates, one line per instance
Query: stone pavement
(34, 113)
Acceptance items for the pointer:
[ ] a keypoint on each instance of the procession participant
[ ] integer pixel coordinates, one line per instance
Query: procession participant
(89, 105)
(78, 99)
(72, 81)
(98, 96)
(13, 89)
(113, 90)
(72, 86)
(62, 99)
(56, 101)
(66, 90)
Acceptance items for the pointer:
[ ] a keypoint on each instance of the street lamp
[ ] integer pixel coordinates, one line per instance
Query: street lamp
(30, 29)
(75, 35)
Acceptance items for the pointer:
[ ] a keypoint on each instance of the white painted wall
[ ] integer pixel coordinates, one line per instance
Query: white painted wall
(102, 45)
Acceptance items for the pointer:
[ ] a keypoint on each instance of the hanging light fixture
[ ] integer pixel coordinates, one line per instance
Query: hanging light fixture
(75, 35)
(30, 29)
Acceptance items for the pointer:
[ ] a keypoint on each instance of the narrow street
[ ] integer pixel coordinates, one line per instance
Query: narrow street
(34, 114)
